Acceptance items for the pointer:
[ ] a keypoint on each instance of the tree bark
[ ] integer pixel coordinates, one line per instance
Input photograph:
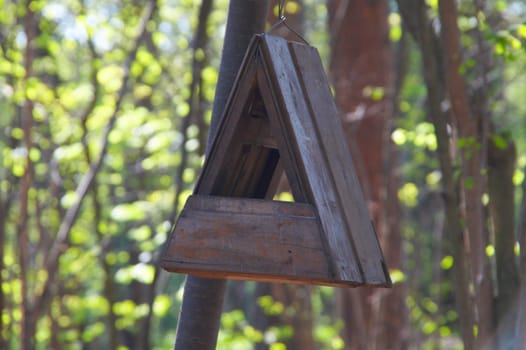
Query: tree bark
(520, 330)
(501, 189)
(362, 72)
(472, 187)
(391, 321)
(203, 298)
(414, 14)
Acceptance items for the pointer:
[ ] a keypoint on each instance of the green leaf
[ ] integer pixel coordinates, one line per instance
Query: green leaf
(447, 262)
(209, 75)
(97, 304)
(469, 182)
(135, 211)
(429, 327)
(490, 250)
(433, 178)
(124, 308)
(140, 233)
(375, 93)
(399, 136)
(499, 142)
(68, 199)
(110, 77)
(397, 276)
(518, 177)
(143, 273)
(93, 331)
(395, 28)
(521, 30)
(161, 305)
(270, 306)
(408, 194)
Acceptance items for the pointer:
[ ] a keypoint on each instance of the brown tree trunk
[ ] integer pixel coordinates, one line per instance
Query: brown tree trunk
(362, 74)
(414, 14)
(297, 314)
(520, 330)
(472, 186)
(203, 298)
(501, 189)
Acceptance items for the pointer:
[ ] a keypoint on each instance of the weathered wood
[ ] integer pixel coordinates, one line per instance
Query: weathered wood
(280, 117)
(218, 176)
(339, 162)
(291, 115)
(296, 87)
(266, 240)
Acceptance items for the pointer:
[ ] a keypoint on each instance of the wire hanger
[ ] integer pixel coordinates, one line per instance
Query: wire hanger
(282, 20)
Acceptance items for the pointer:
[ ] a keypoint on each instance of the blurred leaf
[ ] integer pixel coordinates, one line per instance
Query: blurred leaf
(270, 306)
(140, 233)
(499, 141)
(397, 276)
(469, 182)
(408, 194)
(447, 262)
(135, 211)
(161, 305)
(110, 77)
(490, 250)
(395, 28)
(93, 331)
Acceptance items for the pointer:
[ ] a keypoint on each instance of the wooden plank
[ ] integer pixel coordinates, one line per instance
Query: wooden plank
(243, 159)
(287, 148)
(257, 239)
(225, 152)
(304, 161)
(339, 162)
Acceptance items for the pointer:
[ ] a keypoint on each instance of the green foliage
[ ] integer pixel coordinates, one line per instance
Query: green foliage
(236, 333)
(270, 306)
(74, 87)
(107, 264)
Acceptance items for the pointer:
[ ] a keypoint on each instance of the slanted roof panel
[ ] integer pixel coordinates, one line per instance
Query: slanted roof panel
(295, 71)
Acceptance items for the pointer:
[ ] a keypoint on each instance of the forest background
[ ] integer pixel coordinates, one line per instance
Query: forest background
(104, 115)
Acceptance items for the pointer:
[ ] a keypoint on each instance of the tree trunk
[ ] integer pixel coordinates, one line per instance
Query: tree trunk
(414, 14)
(298, 314)
(472, 186)
(501, 189)
(362, 74)
(203, 298)
(520, 331)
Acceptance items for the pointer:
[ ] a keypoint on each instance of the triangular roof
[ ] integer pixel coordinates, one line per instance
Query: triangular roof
(280, 116)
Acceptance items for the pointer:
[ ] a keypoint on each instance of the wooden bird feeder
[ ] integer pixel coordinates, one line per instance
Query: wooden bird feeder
(280, 116)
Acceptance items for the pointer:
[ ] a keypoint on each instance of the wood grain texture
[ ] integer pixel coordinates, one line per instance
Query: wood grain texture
(280, 117)
(333, 146)
(292, 116)
(266, 240)
(309, 121)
